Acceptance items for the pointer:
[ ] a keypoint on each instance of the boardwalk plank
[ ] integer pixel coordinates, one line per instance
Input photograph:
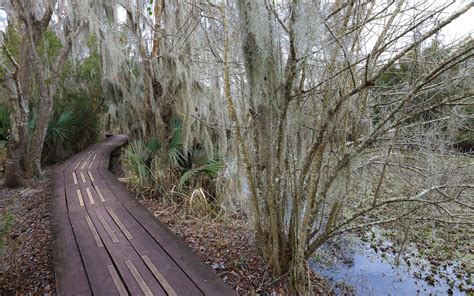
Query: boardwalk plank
(95, 258)
(106, 243)
(70, 273)
(121, 251)
(147, 246)
(195, 269)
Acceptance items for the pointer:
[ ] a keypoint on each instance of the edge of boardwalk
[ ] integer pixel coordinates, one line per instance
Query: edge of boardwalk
(71, 276)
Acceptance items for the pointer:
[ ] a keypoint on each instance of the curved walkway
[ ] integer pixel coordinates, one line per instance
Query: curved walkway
(106, 243)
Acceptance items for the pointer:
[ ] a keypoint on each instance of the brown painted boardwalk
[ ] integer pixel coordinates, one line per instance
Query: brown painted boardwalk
(105, 243)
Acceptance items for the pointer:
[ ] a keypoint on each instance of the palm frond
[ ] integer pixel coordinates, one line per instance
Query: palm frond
(4, 123)
(211, 169)
(174, 150)
(153, 146)
(61, 126)
(175, 156)
(135, 157)
(137, 152)
(177, 130)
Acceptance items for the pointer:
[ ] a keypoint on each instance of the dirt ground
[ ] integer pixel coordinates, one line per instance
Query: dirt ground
(227, 245)
(26, 262)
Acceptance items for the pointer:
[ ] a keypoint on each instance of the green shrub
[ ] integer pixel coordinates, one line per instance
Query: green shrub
(61, 128)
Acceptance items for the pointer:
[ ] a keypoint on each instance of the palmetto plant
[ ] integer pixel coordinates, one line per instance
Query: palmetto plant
(153, 145)
(135, 159)
(4, 123)
(210, 169)
(175, 153)
(153, 166)
(59, 140)
(61, 127)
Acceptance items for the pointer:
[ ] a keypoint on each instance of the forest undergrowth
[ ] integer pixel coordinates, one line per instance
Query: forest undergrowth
(221, 239)
(291, 122)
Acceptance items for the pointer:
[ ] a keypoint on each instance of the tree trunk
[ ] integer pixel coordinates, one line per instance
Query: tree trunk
(47, 86)
(31, 31)
(24, 76)
(39, 135)
(12, 167)
(12, 163)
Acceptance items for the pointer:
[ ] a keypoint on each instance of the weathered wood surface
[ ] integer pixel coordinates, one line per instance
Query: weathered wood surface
(106, 243)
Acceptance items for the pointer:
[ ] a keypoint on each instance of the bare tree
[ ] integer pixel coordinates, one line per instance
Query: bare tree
(311, 97)
(328, 128)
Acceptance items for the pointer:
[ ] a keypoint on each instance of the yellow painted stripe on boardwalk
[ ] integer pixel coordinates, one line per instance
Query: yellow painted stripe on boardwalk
(136, 275)
(90, 175)
(78, 164)
(95, 234)
(102, 199)
(79, 196)
(117, 281)
(74, 177)
(92, 162)
(89, 194)
(84, 164)
(109, 230)
(80, 161)
(169, 290)
(120, 224)
(83, 178)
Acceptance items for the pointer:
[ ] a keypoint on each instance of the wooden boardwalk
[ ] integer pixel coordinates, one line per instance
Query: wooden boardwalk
(106, 243)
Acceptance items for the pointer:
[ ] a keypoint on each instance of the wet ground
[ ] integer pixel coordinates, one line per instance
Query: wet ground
(367, 265)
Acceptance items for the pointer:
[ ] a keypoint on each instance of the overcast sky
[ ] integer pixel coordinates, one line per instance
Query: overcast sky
(461, 27)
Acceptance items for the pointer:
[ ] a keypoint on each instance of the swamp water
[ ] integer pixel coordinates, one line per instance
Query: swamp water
(357, 267)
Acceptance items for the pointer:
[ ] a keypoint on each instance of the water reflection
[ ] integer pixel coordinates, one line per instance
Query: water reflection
(360, 268)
